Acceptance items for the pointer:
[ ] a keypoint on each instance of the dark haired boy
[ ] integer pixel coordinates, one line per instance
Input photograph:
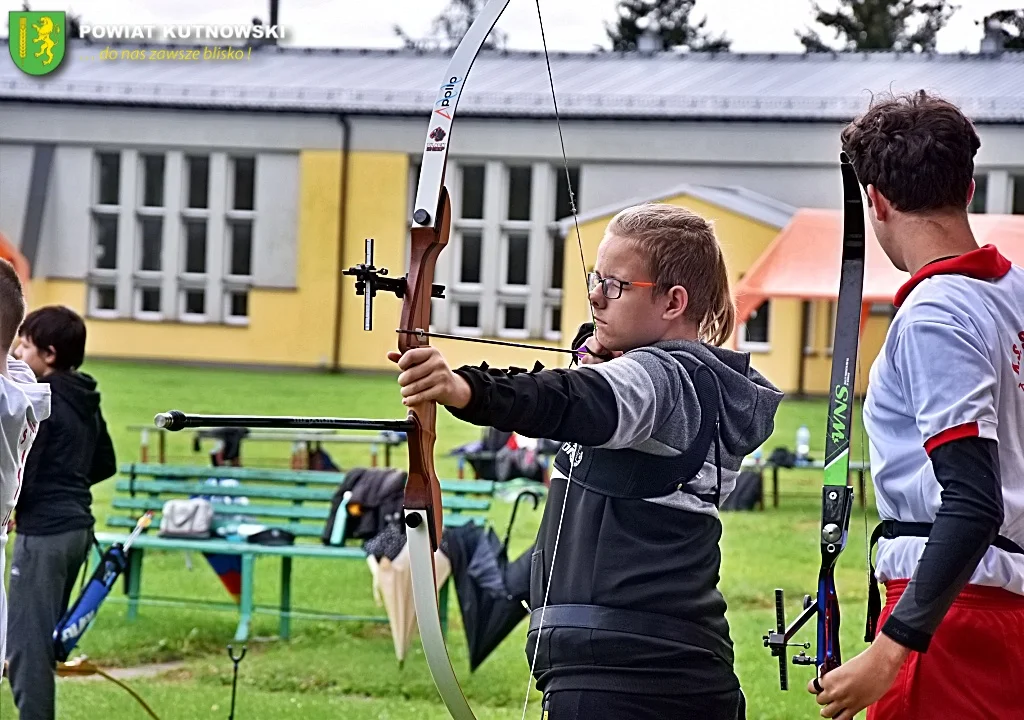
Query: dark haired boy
(72, 452)
(24, 403)
(944, 412)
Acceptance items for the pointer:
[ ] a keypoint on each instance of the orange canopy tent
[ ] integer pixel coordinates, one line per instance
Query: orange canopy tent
(11, 254)
(803, 261)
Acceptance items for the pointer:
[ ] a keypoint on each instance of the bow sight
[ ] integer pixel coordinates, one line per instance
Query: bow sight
(371, 280)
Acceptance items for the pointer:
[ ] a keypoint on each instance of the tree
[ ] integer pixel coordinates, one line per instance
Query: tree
(904, 25)
(1008, 26)
(667, 22)
(450, 27)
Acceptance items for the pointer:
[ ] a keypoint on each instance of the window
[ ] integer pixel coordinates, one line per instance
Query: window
(105, 247)
(808, 308)
(198, 182)
(244, 196)
(471, 257)
(153, 180)
(505, 275)
(472, 192)
(109, 184)
(563, 202)
(106, 213)
(195, 247)
(149, 238)
(517, 258)
(831, 309)
(519, 193)
(1017, 208)
(238, 262)
(469, 315)
(172, 238)
(754, 332)
(980, 194)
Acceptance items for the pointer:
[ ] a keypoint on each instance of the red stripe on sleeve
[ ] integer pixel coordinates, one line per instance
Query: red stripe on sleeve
(950, 434)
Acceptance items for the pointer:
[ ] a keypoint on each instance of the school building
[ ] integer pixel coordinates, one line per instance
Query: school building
(204, 211)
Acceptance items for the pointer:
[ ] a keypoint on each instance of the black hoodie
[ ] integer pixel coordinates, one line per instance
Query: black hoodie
(71, 453)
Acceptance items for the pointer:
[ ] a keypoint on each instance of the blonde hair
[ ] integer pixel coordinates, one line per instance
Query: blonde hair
(679, 247)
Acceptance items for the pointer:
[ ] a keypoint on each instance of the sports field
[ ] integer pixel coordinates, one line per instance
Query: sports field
(349, 671)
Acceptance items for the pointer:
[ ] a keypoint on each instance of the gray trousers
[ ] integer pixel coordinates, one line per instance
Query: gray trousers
(44, 572)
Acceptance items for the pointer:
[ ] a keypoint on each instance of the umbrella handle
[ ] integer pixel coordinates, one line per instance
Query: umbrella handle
(515, 506)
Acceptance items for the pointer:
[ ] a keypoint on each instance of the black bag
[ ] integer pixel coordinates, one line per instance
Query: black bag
(747, 493)
(364, 503)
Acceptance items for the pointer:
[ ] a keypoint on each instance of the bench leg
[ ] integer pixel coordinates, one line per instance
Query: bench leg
(134, 581)
(286, 597)
(442, 607)
(245, 602)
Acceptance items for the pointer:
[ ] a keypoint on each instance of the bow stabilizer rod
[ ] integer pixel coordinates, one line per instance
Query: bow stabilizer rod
(175, 420)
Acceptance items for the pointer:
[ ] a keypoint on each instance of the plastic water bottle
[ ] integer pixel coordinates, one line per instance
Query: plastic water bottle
(803, 443)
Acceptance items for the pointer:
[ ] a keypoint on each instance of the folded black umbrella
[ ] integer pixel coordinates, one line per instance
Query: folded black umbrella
(491, 589)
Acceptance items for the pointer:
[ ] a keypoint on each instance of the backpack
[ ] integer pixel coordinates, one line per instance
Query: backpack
(747, 493)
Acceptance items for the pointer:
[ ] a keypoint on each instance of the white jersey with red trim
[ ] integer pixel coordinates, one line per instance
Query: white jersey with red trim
(24, 403)
(951, 367)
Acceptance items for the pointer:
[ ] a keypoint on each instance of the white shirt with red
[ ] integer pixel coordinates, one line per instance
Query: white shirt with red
(950, 368)
(24, 403)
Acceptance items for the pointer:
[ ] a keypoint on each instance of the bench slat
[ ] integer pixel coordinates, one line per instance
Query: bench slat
(298, 530)
(305, 512)
(185, 487)
(313, 477)
(231, 547)
(180, 487)
(309, 477)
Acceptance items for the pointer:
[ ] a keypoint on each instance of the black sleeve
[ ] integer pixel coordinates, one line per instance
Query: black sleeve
(565, 405)
(966, 524)
(35, 456)
(104, 461)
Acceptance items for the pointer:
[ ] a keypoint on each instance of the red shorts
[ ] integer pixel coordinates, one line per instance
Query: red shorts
(974, 667)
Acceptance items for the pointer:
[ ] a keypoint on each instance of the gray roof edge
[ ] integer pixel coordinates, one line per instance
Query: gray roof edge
(736, 198)
(1006, 55)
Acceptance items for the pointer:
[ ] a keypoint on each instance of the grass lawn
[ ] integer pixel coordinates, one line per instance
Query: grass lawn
(331, 670)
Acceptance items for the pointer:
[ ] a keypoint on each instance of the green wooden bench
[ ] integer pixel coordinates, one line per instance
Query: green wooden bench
(295, 500)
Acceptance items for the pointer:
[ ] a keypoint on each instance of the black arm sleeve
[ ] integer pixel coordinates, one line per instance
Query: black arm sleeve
(565, 405)
(966, 524)
(104, 461)
(40, 448)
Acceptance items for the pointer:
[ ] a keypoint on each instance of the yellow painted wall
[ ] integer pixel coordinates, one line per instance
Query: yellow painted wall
(818, 364)
(286, 327)
(296, 327)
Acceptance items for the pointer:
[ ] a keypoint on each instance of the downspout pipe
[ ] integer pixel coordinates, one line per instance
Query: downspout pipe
(346, 141)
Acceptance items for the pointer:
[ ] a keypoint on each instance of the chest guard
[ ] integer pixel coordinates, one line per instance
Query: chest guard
(638, 475)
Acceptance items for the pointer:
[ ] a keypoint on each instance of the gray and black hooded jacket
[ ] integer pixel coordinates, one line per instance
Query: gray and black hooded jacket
(635, 536)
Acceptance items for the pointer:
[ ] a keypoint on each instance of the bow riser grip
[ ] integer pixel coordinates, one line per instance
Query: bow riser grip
(422, 489)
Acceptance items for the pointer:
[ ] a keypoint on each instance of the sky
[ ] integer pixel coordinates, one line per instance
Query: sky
(570, 25)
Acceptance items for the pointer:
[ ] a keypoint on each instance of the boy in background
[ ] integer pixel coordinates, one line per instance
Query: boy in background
(24, 403)
(72, 452)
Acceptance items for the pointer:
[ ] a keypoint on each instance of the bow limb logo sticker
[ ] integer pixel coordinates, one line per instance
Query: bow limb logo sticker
(37, 40)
